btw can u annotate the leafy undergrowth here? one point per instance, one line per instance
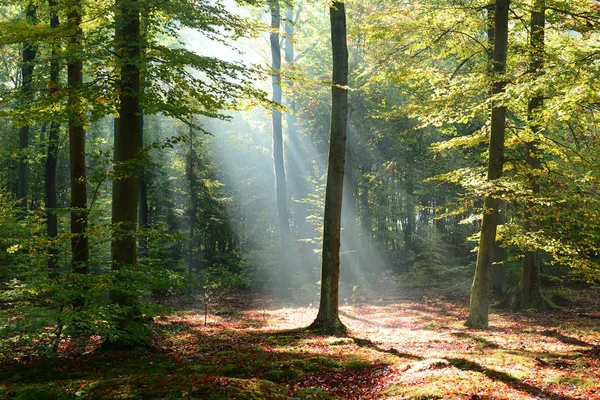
(395, 349)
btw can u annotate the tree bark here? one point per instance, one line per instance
(126, 159)
(280, 184)
(143, 212)
(79, 240)
(328, 320)
(143, 200)
(529, 290)
(29, 53)
(499, 252)
(194, 204)
(296, 162)
(350, 262)
(294, 155)
(481, 288)
(51, 159)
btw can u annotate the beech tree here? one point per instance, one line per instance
(481, 289)
(529, 290)
(127, 163)
(328, 320)
(280, 181)
(27, 67)
(52, 153)
(77, 119)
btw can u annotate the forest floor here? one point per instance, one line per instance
(408, 347)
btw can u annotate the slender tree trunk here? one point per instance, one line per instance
(328, 320)
(481, 289)
(143, 194)
(192, 186)
(499, 252)
(294, 155)
(79, 239)
(143, 200)
(29, 53)
(282, 210)
(409, 229)
(529, 291)
(296, 162)
(51, 159)
(498, 259)
(350, 262)
(127, 166)
(366, 221)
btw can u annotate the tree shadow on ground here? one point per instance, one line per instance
(564, 338)
(366, 321)
(467, 365)
(205, 363)
(369, 344)
(483, 342)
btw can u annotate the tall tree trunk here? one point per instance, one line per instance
(127, 166)
(499, 252)
(29, 53)
(498, 260)
(79, 240)
(409, 229)
(51, 159)
(350, 262)
(282, 210)
(294, 155)
(529, 291)
(481, 288)
(143, 189)
(328, 320)
(193, 189)
(295, 161)
(143, 200)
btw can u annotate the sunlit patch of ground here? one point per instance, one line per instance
(395, 349)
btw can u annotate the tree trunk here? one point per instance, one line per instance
(143, 200)
(127, 166)
(529, 291)
(294, 155)
(193, 189)
(499, 252)
(350, 262)
(409, 229)
(282, 211)
(143, 194)
(79, 240)
(51, 159)
(328, 320)
(296, 163)
(498, 260)
(29, 53)
(481, 288)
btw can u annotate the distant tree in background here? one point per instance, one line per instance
(280, 178)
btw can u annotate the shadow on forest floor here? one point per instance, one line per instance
(258, 350)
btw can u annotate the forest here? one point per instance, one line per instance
(299, 199)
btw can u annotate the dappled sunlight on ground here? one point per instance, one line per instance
(397, 349)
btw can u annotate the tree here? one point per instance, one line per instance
(280, 184)
(127, 165)
(79, 215)
(480, 290)
(328, 320)
(294, 156)
(529, 291)
(28, 58)
(52, 154)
